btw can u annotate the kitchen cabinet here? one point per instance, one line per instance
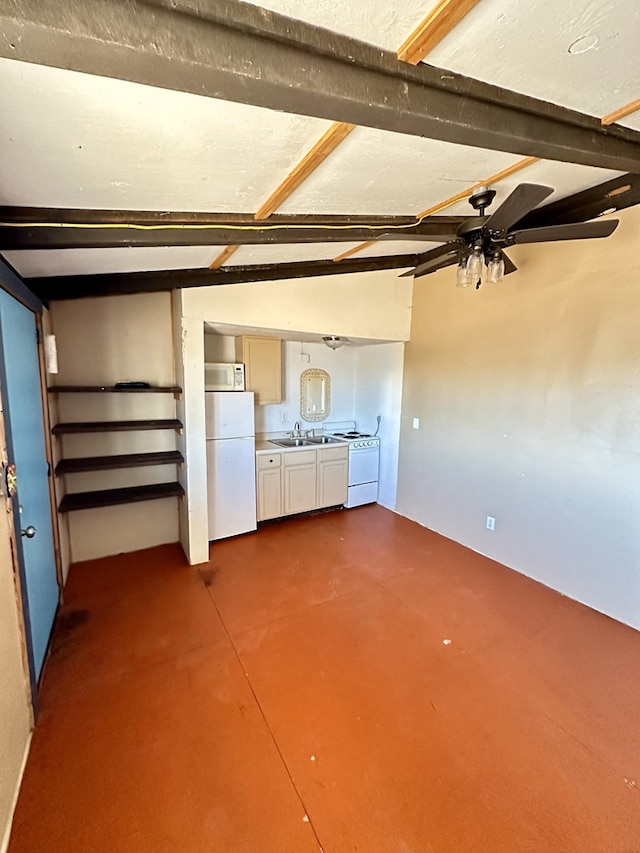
(333, 474)
(269, 490)
(262, 359)
(296, 481)
(300, 481)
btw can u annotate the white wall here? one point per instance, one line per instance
(189, 349)
(528, 395)
(61, 522)
(369, 305)
(378, 391)
(366, 381)
(103, 341)
(339, 364)
(15, 710)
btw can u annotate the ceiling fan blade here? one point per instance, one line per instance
(523, 199)
(436, 254)
(574, 231)
(436, 263)
(509, 266)
(617, 194)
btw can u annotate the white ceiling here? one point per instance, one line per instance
(523, 46)
(122, 259)
(284, 334)
(75, 140)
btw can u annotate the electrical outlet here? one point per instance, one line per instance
(416, 423)
(284, 417)
(491, 523)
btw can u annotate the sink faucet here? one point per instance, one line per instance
(296, 430)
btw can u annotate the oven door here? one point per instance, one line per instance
(363, 465)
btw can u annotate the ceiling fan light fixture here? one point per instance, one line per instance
(495, 270)
(463, 279)
(334, 342)
(475, 263)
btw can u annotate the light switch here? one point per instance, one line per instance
(416, 423)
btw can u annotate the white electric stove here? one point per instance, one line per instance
(364, 461)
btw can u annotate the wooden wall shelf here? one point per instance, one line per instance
(128, 494)
(126, 460)
(114, 426)
(112, 497)
(112, 389)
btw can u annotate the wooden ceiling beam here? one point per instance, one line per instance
(438, 23)
(223, 257)
(327, 143)
(446, 15)
(622, 112)
(610, 118)
(46, 228)
(50, 288)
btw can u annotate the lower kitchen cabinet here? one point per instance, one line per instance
(301, 480)
(333, 474)
(269, 489)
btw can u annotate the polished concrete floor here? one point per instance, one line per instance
(341, 682)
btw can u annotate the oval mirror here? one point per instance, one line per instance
(315, 394)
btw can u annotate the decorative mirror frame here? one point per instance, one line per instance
(314, 373)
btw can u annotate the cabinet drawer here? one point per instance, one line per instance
(269, 460)
(300, 457)
(330, 454)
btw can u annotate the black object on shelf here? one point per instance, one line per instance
(112, 497)
(114, 426)
(119, 387)
(125, 460)
(137, 384)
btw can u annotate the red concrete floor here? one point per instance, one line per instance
(297, 694)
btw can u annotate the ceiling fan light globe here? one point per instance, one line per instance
(474, 266)
(495, 270)
(463, 279)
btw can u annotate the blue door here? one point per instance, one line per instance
(24, 424)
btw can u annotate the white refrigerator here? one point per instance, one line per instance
(231, 463)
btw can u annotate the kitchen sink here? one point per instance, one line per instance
(290, 442)
(324, 439)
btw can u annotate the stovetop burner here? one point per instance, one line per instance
(352, 434)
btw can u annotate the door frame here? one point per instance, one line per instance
(11, 283)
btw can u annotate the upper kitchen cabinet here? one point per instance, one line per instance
(262, 359)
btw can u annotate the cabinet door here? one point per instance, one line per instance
(332, 482)
(269, 494)
(299, 488)
(263, 369)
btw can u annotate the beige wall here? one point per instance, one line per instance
(364, 305)
(15, 711)
(529, 404)
(103, 341)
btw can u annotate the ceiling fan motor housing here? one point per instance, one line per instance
(481, 198)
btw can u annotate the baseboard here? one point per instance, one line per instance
(7, 832)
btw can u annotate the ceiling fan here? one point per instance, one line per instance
(482, 240)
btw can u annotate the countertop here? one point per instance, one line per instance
(263, 445)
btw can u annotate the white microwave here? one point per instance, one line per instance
(224, 377)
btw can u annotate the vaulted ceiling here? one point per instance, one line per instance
(131, 156)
